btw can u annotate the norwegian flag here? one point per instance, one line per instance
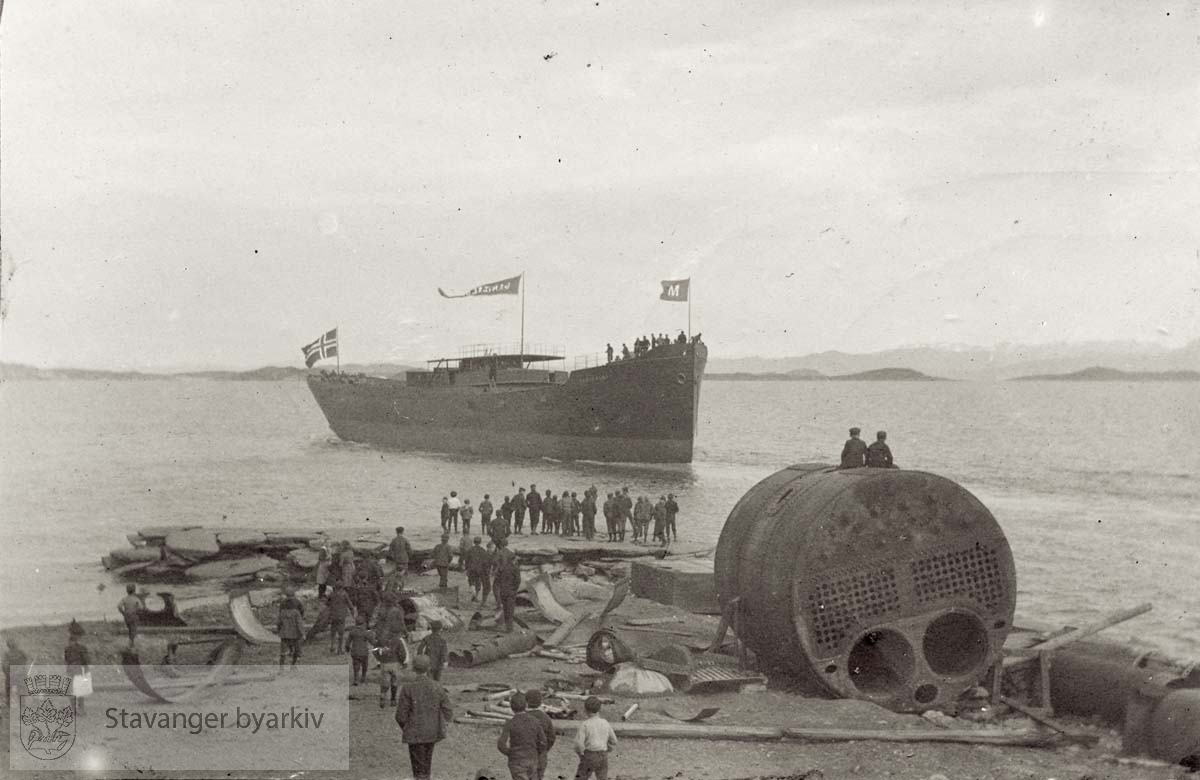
(324, 347)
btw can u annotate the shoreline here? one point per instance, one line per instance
(375, 749)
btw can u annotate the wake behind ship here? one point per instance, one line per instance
(493, 401)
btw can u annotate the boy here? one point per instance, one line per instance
(523, 741)
(76, 658)
(464, 547)
(434, 646)
(341, 609)
(392, 657)
(360, 641)
(290, 627)
(592, 742)
(130, 608)
(534, 699)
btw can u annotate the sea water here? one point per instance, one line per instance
(1096, 485)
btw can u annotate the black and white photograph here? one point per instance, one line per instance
(593, 389)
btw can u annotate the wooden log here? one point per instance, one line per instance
(1107, 621)
(963, 736)
(683, 731)
(563, 630)
(652, 621)
(627, 714)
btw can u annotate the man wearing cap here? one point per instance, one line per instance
(879, 455)
(522, 740)
(507, 582)
(534, 503)
(854, 453)
(423, 713)
(400, 551)
(442, 555)
(475, 561)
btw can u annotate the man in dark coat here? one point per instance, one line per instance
(854, 453)
(522, 741)
(534, 699)
(443, 554)
(534, 502)
(507, 582)
(423, 713)
(879, 455)
(519, 504)
(400, 551)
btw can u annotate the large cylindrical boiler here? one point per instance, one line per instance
(883, 584)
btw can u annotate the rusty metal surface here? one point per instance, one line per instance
(890, 585)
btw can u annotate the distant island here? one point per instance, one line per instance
(1100, 374)
(19, 371)
(809, 375)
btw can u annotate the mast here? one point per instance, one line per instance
(522, 356)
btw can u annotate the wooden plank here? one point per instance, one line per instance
(1107, 621)
(1074, 735)
(964, 736)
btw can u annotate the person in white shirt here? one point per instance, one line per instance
(593, 740)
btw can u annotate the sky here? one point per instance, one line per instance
(213, 185)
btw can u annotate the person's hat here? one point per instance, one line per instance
(435, 625)
(855, 431)
(478, 539)
(881, 435)
(421, 663)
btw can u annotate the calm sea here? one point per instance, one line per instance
(1097, 485)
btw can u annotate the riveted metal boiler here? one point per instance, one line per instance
(888, 585)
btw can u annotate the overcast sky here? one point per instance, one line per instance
(214, 184)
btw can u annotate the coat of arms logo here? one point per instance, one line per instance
(47, 716)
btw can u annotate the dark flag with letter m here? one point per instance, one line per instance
(675, 289)
(324, 347)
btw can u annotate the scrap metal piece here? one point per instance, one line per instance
(543, 598)
(493, 650)
(247, 623)
(704, 713)
(888, 585)
(222, 667)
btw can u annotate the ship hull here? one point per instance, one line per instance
(631, 411)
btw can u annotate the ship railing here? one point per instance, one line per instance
(589, 361)
(514, 348)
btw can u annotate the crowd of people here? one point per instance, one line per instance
(643, 345)
(565, 514)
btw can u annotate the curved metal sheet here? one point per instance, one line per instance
(222, 667)
(247, 623)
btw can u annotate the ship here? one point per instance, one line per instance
(497, 401)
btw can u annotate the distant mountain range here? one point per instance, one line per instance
(1133, 361)
(808, 375)
(19, 371)
(1004, 361)
(1098, 374)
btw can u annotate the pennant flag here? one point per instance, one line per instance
(510, 286)
(675, 289)
(324, 347)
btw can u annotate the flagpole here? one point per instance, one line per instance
(690, 291)
(522, 356)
